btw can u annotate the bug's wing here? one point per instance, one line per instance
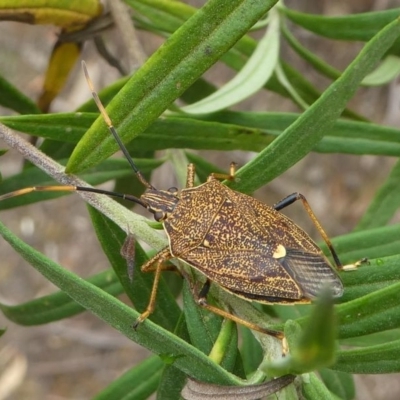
(304, 260)
(311, 271)
(251, 275)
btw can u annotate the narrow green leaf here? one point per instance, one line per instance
(221, 131)
(381, 359)
(314, 389)
(163, 12)
(385, 203)
(373, 339)
(235, 57)
(319, 65)
(171, 383)
(251, 351)
(388, 70)
(338, 382)
(251, 78)
(309, 128)
(378, 274)
(115, 313)
(377, 311)
(373, 243)
(64, 127)
(348, 27)
(285, 82)
(225, 350)
(12, 98)
(59, 305)
(136, 384)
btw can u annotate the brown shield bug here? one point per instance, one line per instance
(246, 247)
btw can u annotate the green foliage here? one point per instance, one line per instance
(189, 341)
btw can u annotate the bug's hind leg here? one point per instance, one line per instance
(202, 301)
(287, 201)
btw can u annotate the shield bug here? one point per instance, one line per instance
(246, 247)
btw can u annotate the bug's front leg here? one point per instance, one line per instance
(158, 260)
(191, 172)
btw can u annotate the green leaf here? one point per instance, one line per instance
(372, 339)
(314, 389)
(235, 57)
(368, 278)
(385, 203)
(251, 78)
(309, 128)
(136, 384)
(118, 315)
(250, 350)
(168, 73)
(220, 131)
(63, 127)
(291, 89)
(388, 70)
(319, 65)
(304, 88)
(12, 98)
(374, 312)
(171, 383)
(361, 26)
(374, 243)
(59, 305)
(340, 383)
(380, 359)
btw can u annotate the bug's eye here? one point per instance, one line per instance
(159, 216)
(173, 190)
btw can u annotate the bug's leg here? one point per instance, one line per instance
(230, 176)
(191, 171)
(287, 201)
(202, 301)
(158, 260)
(55, 188)
(152, 264)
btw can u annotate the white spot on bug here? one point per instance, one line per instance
(279, 252)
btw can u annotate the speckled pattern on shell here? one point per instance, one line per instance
(231, 238)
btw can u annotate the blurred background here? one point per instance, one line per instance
(76, 358)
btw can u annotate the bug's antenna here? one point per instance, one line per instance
(111, 128)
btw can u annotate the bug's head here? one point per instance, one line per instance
(160, 202)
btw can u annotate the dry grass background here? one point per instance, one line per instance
(75, 358)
